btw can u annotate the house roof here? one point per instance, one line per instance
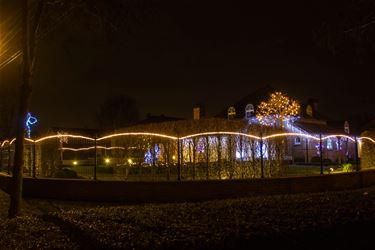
(254, 98)
(158, 119)
(316, 114)
(316, 128)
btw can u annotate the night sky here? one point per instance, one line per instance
(182, 52)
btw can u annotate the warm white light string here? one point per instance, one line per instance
(361, 139)
(219, 133)
(137, 133)
(62, 136)
(90, 148)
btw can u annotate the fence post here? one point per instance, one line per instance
(207, 158)
(34, 160)
(261, 156)
(307, 150)
(96, 156)
(321, 153)
(1, 158)
(356, 153)
(9, 158)
(178, 160)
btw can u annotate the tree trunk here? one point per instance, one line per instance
(28, 52)
(25, 93)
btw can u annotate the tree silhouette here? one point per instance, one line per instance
(117, 112)
(35, 14)
(348, 30)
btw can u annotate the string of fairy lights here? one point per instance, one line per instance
(279, 105)
(175, 138)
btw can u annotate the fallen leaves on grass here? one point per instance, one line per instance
(196, 225)
(30, 232)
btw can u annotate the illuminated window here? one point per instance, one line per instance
(249, 111)
(329, 144)
(297, 141)
(231, 112)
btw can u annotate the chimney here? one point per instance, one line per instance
(198, 112)
(314, 105)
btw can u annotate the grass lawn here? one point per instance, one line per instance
(332, 220)
(302, 170)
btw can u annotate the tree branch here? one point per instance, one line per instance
(360, 27)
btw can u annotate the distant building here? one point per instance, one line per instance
(310, 121)
(198, 112)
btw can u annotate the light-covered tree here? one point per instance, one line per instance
(278, 108)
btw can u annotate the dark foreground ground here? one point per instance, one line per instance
(334, 220)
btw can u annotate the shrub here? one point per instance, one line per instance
(347, 167)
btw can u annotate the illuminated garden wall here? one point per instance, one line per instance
(184, 150)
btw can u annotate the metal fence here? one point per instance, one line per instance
(156, 157)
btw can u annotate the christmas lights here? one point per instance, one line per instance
(90, 148)
(366, 138)
(30, 120)
(59, 136)
(137, 133)
(219, 133)
(5, 142)
(278, 108)
(343, 136)
(291, 134)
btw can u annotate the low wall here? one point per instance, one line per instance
(173, 191)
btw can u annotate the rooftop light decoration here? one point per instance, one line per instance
(278, 108)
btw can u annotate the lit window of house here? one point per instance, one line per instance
(329, 144)
(249, 111)
(297, 141)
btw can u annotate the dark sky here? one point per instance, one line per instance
(183, 52)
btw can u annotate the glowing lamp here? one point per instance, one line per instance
(75, 163)
(107, 160)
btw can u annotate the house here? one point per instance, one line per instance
(336, 149)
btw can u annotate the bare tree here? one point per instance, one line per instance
(117, 112)
(111, 13)
(348, 30)
(29, 30)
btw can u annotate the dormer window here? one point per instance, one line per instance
(249, 111)
(309, 111)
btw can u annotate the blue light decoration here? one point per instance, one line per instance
(317, 146)
(149, 155)
(30, 120)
